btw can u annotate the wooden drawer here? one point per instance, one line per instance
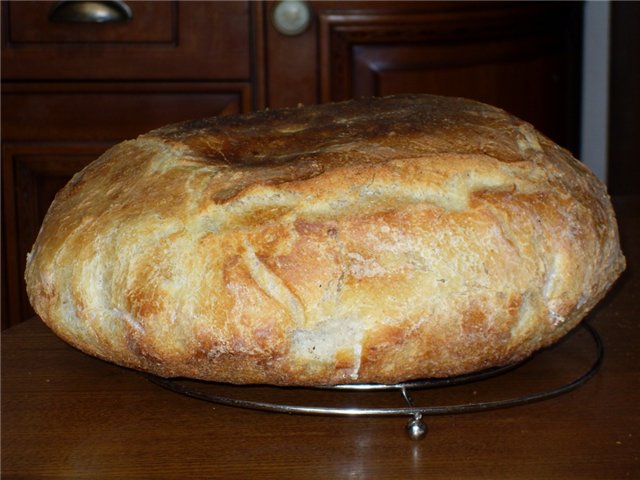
(111, 111)
(151, 22)
(163, 40)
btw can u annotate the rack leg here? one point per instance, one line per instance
(416, 428)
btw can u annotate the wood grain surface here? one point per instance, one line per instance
(67, 415)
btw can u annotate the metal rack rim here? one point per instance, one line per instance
(411, 409)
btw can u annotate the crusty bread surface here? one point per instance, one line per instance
(375, 240)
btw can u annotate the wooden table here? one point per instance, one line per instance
(67, 415)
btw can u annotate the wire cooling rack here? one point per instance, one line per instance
(416, 428)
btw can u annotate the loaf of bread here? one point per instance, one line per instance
(375, 240)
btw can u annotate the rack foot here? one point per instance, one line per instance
(416, 428)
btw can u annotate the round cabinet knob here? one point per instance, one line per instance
(291, 17)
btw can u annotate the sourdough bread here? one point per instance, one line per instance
(375, 240)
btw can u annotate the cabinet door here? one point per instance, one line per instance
(31, 175)
(523, 58)
(520, 56)
(51, 131)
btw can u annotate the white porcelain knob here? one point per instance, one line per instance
(291, 17)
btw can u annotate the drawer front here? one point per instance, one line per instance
(163, 40)
(29, 24)
(117, 111)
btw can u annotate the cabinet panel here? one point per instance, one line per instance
(88, 111)
(28, 23)
(51, 131)
(31, 175)
(164, 41)
(624, 117)
(523, 57)
(525, 86)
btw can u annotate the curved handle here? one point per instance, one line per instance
(69, 11)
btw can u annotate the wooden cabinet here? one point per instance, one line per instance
(524, 57)
(70, 90)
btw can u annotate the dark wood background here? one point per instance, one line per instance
(624, 115)
(69, 91)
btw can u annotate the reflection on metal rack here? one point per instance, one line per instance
(416, 428)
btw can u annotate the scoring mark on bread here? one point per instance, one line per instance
(273, 285)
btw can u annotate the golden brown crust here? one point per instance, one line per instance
(376, 240)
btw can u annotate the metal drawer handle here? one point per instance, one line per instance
(69, 11)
